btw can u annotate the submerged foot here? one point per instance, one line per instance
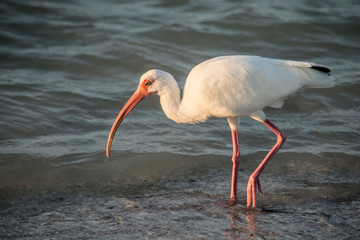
(253, 184)
(226, 203)
(232, 201)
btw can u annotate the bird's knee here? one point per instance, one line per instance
(281, 137)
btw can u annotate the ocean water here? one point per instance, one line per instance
(67, 68)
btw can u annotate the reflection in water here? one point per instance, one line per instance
(251, 226)
(240, 229)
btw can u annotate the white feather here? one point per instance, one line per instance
(235, 86)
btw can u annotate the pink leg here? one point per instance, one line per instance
(254, 181)
(235, 170)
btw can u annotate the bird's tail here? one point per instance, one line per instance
(315, 75)
(323, 78)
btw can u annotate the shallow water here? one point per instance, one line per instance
(67, 68)
(307, 198)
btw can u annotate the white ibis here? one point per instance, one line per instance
(230, 87)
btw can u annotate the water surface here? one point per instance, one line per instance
(67, 68)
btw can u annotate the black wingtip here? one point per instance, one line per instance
(321, 69)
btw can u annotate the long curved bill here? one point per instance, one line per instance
(137, 96)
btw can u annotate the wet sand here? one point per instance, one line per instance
(308, 199)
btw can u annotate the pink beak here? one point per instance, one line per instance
(137, 96)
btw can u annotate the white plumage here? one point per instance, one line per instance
(230, 87)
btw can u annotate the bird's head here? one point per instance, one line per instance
(153, 81)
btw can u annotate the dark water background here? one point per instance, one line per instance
(66, 69)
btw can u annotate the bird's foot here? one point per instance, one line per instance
(254, 182)
(232, 201)
(229, 203)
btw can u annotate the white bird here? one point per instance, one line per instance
(230, 87)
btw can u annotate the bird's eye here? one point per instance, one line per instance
(148, 83)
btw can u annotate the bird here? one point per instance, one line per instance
(230, 87)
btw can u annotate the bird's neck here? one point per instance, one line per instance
(170, 101)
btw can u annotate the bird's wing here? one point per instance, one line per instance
(242, 85)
